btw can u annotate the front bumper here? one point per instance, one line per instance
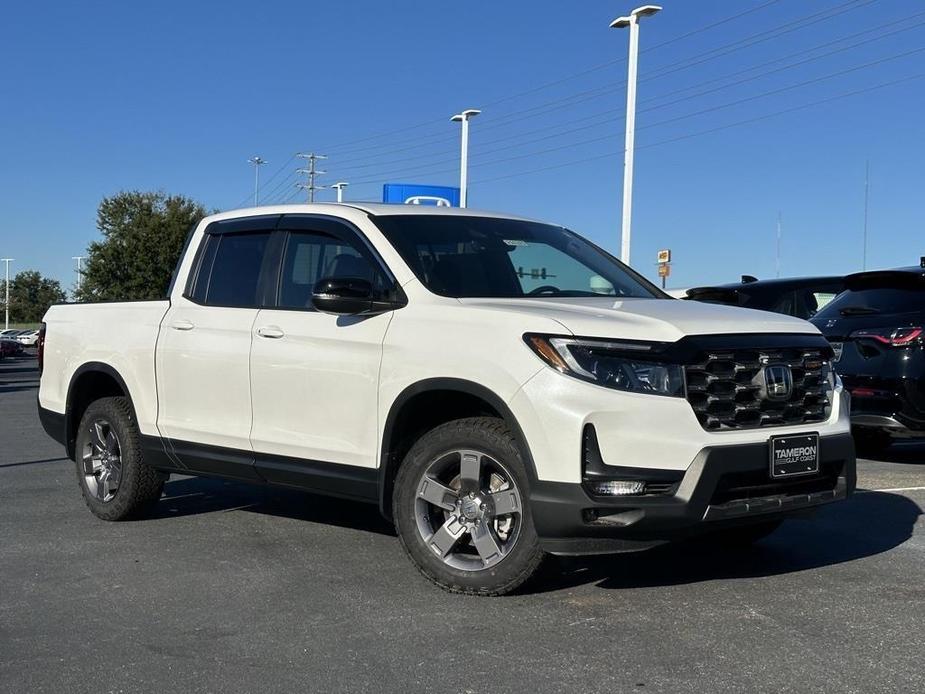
(724, 486)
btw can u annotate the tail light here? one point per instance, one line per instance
(40, 347)
(895, 337)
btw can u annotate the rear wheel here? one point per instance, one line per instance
(115, 482)
(461, 511)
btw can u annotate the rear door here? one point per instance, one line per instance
(203, 351)
(314, 376)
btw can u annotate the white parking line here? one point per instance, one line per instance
(897, 489)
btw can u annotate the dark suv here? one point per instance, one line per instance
(876, 329)
(794, 296)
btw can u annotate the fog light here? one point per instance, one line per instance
(618, 488)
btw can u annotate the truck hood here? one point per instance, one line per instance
(660, 320)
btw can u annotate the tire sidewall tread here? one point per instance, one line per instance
(492, 436)
(140, 486)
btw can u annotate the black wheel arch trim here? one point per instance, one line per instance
(458, 385)
(70, 426)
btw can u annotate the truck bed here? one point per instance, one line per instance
(121, 335)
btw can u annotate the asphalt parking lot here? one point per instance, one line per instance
(237, 588)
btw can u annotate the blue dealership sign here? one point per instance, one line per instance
(414, 194)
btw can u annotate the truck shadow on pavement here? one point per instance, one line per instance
(867, 524)
(908, 452)
(186, 496)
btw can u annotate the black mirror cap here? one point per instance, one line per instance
(349, 296)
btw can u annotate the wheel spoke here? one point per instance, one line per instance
(443, 541)
(470, 470)
(97, 437)
(112, 443)
(486, 544)
(505, 502)
(115, 475)
(102, 485)
(90, 464)
(437, 494)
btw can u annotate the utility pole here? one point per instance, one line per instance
(257, 162)
(6, 304)
(778, 243)
(463, 118)
(339, 187)
(79, 259)
(866, 198)
(311, 172)
(632, 21)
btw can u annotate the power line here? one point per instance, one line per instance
(671, 68)
(567, 78)
(424, 168)
(610, 112)
(709, 131)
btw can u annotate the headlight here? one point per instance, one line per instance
(625, 366)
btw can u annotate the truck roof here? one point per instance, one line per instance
(373, 208)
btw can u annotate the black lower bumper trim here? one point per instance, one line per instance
(725, 485)
(54, 424)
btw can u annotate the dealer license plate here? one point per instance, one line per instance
(794, 455)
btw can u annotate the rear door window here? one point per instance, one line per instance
(236, 269)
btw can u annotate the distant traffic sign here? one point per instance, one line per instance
(664, 256)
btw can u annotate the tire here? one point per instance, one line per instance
(744, 536)
(113, 478)
(461, 510)
(871, 441)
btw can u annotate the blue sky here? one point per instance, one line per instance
(107, 96)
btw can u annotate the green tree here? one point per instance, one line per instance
(143, 236)
(31, 295)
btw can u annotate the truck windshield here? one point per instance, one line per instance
(463, 257)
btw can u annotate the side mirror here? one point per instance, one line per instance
(348, 296)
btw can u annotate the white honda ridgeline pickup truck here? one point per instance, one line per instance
(501, 388)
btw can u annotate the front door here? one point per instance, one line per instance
(314, 376)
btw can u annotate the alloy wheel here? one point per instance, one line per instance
(468, 510)
(101, 458)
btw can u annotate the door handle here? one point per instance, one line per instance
(182, 325)
(271, 332)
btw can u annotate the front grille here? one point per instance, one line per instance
(725, 388)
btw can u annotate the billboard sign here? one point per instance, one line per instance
(414, 194)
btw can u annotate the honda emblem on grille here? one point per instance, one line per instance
(778, 382)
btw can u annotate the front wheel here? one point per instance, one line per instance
(115, 482)
(461, 511)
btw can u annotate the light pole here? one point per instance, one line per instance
(464, 152)
(632, 21)
(339, 187)
(78, 258)
(257, 162)
(6, 303)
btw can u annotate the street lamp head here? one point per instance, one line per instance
(466, 115)
(340, 184)
(644, 11)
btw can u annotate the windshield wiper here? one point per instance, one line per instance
(857, 311)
